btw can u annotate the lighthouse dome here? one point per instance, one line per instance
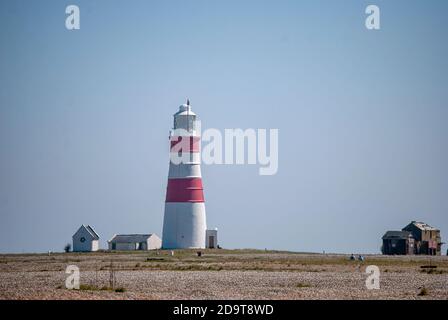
(185, 110)
(185, 119)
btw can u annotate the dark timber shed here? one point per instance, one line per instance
(398, 242)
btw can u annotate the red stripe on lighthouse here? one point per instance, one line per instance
(185, 144)
(185, 190)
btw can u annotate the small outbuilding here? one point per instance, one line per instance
(130, 242)
(85, 240)
(427, 239)
(398, 242)
(211, 238)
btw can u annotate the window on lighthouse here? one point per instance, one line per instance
(190, 123)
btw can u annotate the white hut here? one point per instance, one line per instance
(85, 239)
(126, 242)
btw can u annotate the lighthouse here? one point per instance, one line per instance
(184, 223)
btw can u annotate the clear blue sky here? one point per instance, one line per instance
(362, 118)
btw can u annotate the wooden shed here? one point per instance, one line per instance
(398, 242)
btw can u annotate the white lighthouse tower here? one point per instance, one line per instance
(184, 224)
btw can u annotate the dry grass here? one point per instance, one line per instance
(434, 271)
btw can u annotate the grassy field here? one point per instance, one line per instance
(220, 274)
